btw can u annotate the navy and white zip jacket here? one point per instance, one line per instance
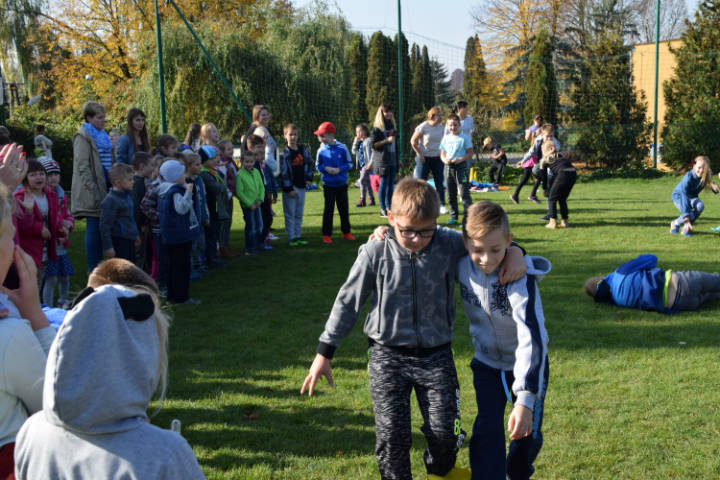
(507, 325)
(338, 156)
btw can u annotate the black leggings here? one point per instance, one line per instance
(559, 192)
(527, 173)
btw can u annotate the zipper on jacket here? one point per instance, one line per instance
(414, 298)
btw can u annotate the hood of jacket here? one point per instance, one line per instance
(163, 188)
(537, 266)
(103, 368)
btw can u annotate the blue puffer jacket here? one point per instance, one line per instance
(338, 156)
(638, 283)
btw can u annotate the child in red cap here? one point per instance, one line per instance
(333, 162)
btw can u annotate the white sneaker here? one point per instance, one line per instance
(272, 237)
(443, 210)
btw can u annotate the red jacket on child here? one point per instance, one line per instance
(30, 225)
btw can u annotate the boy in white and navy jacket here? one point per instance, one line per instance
(507, 327)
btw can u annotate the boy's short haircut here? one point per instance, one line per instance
(453, 116)
(254, 140)
(415, 199)
(547, 127)
(461, 104)
(165, 140)
(139, 159)
(246, 153)
(91, 108)
(591, 285)
(484, 217)
(119, 171)
(189, 158)
(289, 127)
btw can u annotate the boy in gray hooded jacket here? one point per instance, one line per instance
(508, 330)
(411, 276)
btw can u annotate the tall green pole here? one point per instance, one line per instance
(657, 70)
(401, 149)
(161, 75)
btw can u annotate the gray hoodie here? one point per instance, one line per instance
(507, 325)
(101, 373)
(413, 302)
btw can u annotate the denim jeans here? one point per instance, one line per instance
(93, 243)
(697, 208)
(434, 165)
(387, 186)
(487, 444)
(293, 208)
(253, 229)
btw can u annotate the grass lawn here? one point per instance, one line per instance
(632, 394)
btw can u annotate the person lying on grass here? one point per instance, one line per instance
(411, 277)
(641, 284)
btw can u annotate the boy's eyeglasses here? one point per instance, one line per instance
(410, 233)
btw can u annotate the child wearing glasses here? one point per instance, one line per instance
(410, 277)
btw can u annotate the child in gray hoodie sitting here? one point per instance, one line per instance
(109, 357)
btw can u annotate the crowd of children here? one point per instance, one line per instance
(166, 220)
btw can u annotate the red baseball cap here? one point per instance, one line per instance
(325, 127)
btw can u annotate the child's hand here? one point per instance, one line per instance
(379, 233)
(45, 233)
(292, 194)
(28, 203)
(520, 422)
(513, 267)
(319, 368)
(26, 297)
(189, 187)
(110, 253)
(715, 188)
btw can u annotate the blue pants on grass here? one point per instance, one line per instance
(93, 242)
(487, 444)
(697, 208)
(253, 229)
(387, 186)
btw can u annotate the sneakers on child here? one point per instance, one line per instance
(372, 202)
(383, 213)
(545, 218)
(674, 227)
(563, 224)
(294, 243)
(443, 210)
(457, 473)
(687, 230)
(327, 239)
(267, 247)
(533, 198)
(348, 236)
(300, 241)
(552, 224)
(272, 237)
(361, 203)
(514, 199)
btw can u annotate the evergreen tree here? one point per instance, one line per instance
(475, 84)
(469, 81)
(427, 89)
(444, 95)
(376, 91)
(414, 105)
(358, 63)
(610, 117)
(540, 84)
(692, 119)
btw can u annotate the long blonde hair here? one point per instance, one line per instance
(379, 121)
(706, 180)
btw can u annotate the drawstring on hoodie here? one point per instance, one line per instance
(505, 387)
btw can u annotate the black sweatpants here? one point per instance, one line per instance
(393, 376)
(456, 177)
(178, 282)
(527, 173)
(559, 192)
(266, 212)
(124, 248)
(496, 167)
(333, 196)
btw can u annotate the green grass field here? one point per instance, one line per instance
(632, 395)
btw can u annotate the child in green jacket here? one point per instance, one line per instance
(250, 191)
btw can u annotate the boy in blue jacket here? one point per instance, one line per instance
(641, 284)
(333, 162)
